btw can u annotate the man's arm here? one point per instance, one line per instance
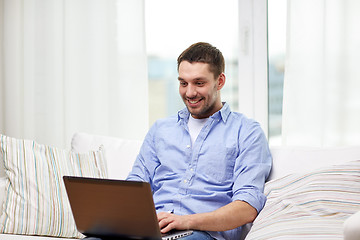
(145, 164)
(228, 217)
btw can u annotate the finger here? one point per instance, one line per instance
(162, 215)
(164, 222)
(168, 228)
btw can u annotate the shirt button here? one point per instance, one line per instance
(191, 169)
(187, 146)
(185, 181)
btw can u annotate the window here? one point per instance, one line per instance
(172, 26)
(239, 29)
(277, 47)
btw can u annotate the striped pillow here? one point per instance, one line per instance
(311, 205)
(36, 201)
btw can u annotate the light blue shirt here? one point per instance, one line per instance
(229, 161)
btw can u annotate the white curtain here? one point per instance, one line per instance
(322, 73)
(72, 65)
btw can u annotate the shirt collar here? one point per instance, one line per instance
(223, 114)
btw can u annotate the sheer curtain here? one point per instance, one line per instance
(322, 73)
(72, 65)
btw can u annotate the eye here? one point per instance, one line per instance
(200, 83)
(183, 84)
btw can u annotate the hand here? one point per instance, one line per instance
(169, 221)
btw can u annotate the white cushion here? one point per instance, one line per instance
(120, 154)
(35, 201)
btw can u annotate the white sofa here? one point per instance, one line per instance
(120, 154)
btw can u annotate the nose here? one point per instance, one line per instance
(191, 91)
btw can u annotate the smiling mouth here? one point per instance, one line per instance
(193, 101)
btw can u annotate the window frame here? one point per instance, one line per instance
(253, 61)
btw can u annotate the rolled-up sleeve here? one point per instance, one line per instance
(252, 167)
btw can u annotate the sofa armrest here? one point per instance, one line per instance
(352, 227)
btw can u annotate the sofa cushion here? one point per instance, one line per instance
(35, 201)
(310, 205)
(120, 154)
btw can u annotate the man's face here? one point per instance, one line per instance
(199, 89)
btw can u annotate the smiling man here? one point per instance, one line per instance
(207, 165)
(200, 88)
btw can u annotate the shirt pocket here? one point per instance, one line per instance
(217, 163)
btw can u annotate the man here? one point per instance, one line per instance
(206, 165)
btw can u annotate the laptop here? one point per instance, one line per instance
(115, 209)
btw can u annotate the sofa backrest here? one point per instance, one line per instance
(120, 154)
(287, 160)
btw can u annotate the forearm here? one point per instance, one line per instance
(225, 218)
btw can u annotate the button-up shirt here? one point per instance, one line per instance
(229, 161)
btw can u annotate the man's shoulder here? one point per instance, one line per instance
(170, 121)
(241, 118)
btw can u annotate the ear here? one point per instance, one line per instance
(221, 81)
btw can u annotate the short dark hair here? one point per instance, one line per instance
(205, 53)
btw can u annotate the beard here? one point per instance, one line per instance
(204, 108)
